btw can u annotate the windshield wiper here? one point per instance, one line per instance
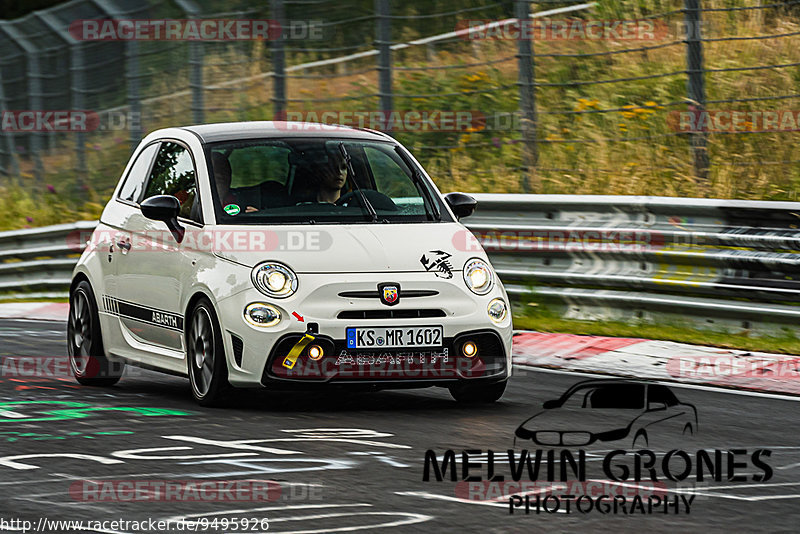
(417, 177)
(364, 202)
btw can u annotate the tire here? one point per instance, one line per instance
(205, 355)
(478, 393)
(87, 359)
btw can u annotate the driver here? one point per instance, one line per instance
(332, 178)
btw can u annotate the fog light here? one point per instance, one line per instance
(497, 310)
(262, 315)
(315, 352)
(469, 349)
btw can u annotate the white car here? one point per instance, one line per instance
(287, 255)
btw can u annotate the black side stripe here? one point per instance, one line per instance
(144, 314)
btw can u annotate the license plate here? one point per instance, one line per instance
(394, 337)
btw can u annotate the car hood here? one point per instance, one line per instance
(581, 420)
(434, 247)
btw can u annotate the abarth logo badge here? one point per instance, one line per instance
(389, 293)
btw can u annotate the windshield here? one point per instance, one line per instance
(269, 181)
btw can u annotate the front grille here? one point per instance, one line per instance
(391, 314)
(405, 293)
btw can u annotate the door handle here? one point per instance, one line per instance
(124, 245)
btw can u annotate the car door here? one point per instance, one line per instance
(151, 268)
(111, 244)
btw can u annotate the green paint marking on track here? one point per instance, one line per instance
(16, 436)
(73, 410)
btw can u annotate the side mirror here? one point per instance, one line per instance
(462, 204)
(549, 405)
(656, 406)
(164, 208)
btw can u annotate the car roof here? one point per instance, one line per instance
(229, 131)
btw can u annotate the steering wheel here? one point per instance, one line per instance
(378, 200)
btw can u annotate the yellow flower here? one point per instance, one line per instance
(629, 113)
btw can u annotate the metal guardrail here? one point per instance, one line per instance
(719, 264)
(39, 259)
(725, 265)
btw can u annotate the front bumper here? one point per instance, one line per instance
(435, 366)
(252, 352)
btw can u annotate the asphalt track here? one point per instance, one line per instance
(345, 461)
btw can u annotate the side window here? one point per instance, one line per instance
(173, 174)
(134, 182)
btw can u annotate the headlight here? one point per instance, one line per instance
(497, 310)
(274, 280)
(262, 314)
(478, 276)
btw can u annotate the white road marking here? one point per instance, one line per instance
(9, 461)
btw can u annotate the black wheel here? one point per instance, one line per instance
(85, 342)
(478, 393)
(205, 355)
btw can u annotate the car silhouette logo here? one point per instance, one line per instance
(390, 294)
(611, 410)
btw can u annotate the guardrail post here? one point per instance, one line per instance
(696, 85)
(278, 62)
(383, 41)
(527, 98)
(78, 103)
(35, 99)
(134, 102)
(9, 164)
(196, 81)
